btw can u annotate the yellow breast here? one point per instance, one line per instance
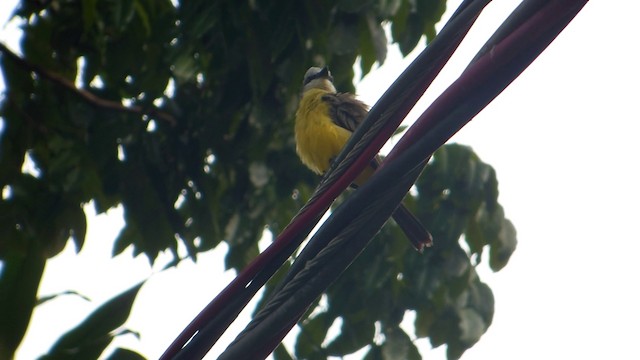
(318, 139)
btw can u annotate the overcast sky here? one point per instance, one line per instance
(563, 140)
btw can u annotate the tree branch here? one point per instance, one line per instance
(84, 94)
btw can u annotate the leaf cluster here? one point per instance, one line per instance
(209, 155)
(457, 198)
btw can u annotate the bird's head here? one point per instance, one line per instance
(318, 78)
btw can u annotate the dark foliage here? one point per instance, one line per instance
(184, 116)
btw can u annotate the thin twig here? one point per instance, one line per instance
(86, 95)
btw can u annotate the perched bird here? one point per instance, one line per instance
(324, 122)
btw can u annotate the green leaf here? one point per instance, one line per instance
(184, 69)
(424, 321)
(374, 353)
(373, 42)
(78, 224)
(241, 254)
(444, 327)
(415, 19)
(148, 210)
(89, 339)
(454, 352)
(312, 333)
(398, 346)
(354, 335)
(345, 36)
(388, 8)
(123, 12)
(281, 353)
(472, 326)
(481, 300)
(20, 275)
(503, 246)
(406, 28)
(368, 56)
(144, 17)
(127, 236)
(44, 299)
(431, 11)
(125, 354)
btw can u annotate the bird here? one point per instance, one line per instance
(324, 122)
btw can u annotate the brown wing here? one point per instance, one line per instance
(345, 110)
(348, 112)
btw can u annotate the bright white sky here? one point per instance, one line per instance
(562, 138)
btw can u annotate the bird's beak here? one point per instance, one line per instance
(325, 73)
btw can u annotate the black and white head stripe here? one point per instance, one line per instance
(317, 73)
